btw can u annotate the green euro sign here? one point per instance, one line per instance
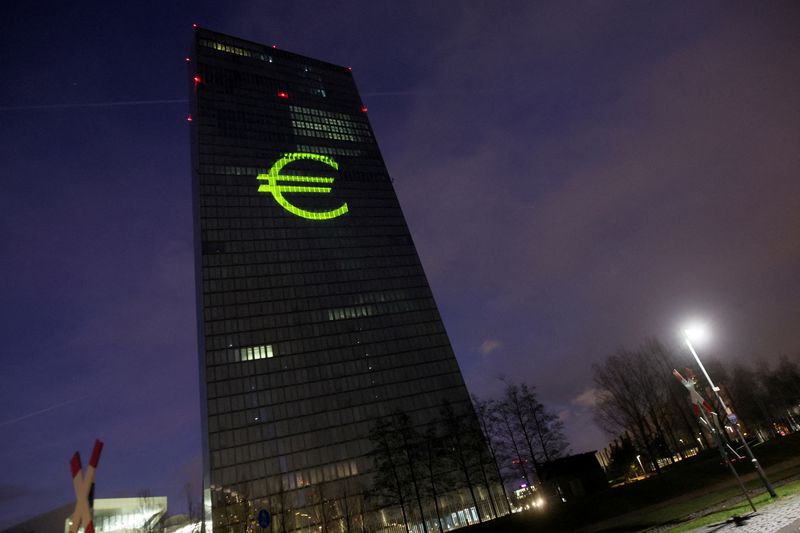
(277, 190)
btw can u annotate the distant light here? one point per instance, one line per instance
(282, 94)
(194, 26)
(697, 332)
(188, 59)
(197, 79)
(189, 118)
(363, 109)
(274, 46)
(350, 69)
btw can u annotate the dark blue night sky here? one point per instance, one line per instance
(577, 177)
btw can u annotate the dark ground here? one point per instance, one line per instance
(692, 478)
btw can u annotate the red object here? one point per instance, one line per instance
(98, 447)
(194, 26)
(282, 94)
(75, 464)
(363, 109)
(189, 118)
(274, 46)
(198, 79)
(350, 69)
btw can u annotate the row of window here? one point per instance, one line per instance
(325, 366)
(344, 352)
(271, 389)
(219, 253)
(371, 187)
(319, 132)
(251, 353)
(265, 263)
(231, 252)
(298, 450)
(321, 445)
(360, 383)
(284, 277)
(216, 148)
(313, 301)
(359, 161)
(260, 440)
(265, 322)
(324, 131)
(246, 88)
(213, 142)
(317, 302)
(279, 274)
(300, 446)
(272, 326)
(341, 344)
(308, 238)
(280, 74)
(304, 286)
(305, 263)
(332, 337)
(221, 196)
(349, 152)
(252, 170)
(320, 115)
(343, 391)
(365, 203)
(347, 123)
(262, 487)
(308, 290)
(214, 45)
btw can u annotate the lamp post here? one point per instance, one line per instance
(695, 331)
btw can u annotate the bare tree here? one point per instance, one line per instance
(483, 411)
(151, 508)
(623, 403)
(391, 477)
(432, 451)
(548, 429)
(460, 439)
(514, 408)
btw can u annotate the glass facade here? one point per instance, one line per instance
(315, 316)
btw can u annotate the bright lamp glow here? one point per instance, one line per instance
(697, 332)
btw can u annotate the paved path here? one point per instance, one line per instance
(780, 517)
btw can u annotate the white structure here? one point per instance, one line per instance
(126, 515)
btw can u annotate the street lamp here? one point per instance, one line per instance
(639, 458)
(700, 333)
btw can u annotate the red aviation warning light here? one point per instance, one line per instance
(363, 109)
(197, 80)
(189, 118)
(283, 94)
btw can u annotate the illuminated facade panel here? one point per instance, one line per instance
(315, 317)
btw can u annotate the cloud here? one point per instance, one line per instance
(587, 399)
(490, 345)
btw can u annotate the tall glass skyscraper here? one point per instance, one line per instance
(316, 321)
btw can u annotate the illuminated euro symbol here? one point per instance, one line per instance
(278, 190)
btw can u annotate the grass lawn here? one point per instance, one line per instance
(740, 508)
(687, 490)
